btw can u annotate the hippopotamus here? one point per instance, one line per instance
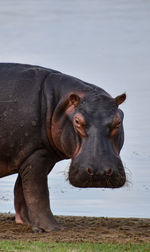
(47, 116)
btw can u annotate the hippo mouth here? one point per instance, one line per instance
(79, 179)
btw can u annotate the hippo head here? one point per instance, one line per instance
(89, 130)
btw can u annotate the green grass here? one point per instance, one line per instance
(71, 247)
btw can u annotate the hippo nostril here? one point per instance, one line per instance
(109, 172)
(90, 171)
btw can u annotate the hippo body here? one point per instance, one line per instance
(47, 116)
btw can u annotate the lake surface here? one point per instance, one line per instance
(102, 42)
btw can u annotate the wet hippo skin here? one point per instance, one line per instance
(47, 116)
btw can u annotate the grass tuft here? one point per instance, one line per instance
(35, 246)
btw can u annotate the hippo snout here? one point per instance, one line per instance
(112, 176)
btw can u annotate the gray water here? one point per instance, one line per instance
(106, 42)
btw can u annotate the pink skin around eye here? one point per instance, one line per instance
(115, 127)
(79, 122)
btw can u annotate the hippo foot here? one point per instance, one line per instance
(37, 230)
(20, 220)
(51, 228)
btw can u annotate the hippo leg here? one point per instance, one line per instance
(20, 204)
(35, 188)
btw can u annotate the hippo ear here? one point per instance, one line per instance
(120, 99)
(74, 100)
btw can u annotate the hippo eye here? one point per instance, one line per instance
(115, 129)
(77, 122)
(118, 125)
(79, 125)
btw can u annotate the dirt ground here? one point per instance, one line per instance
(87, 229)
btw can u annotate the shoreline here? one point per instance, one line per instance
(81, 229)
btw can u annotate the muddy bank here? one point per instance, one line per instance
(87, 229)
